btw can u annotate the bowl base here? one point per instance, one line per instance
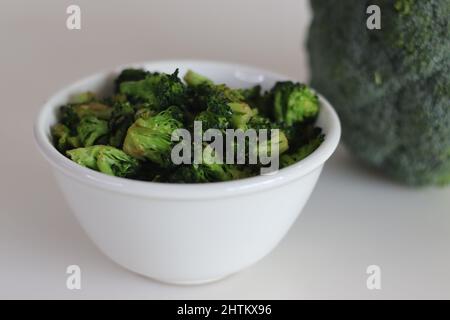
(191, 282)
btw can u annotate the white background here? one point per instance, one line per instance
(354, 218)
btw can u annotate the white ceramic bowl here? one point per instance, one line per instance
(185, 233)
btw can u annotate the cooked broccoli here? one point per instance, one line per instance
(129, 75)
(224, 107)
(195, 79)
(96, 109)
(293, 103)
(264, 147)
(84, 97)
(157, 90)
(105, 159)
(241, 114)
(258, 122)
(71, 114)
(62, 138)
(90, 129)
(391, 87)
(129, 134)
(210, 170)
(122, 118)
(302, 152)
(150, 138)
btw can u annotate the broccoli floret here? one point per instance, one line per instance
(241, 114)
(90, 129)
(105, 159)
(71, 114)
(302, 152)
(122, 118)
(258, 122)
(156, 90)
(150, 138)
(293, 103)
(195, 79)
(128, 75)
(84, 97)
(223, 107)
(251, 95)
(63, 138)
(69, 118)
(391, 87)
(96, 109)
(265, 147)
(210, 170)
(211, 120)
(210, 173)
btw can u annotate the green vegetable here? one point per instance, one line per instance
(130, 75)
(150, 138)
(105, 159)
(157, 90)
(391, 87)
(223, 107)
(62, 138)
(293, 103)
(195, 79)
(302, 152)
(209, 171)
(129, 133)
(90, 129)
(122, 118)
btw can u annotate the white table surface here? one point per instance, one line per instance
(355, 218)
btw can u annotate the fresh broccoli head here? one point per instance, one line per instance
(157, 90)
(150, 138)
(105, 159)
(391, 87)
(293, 103)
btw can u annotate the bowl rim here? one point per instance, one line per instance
(179, 191)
